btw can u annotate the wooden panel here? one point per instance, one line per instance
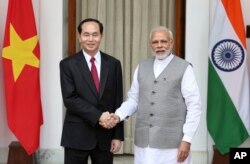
(71, 27)
(218, 158)
(248, 31)
(17, 155)
(179, 44)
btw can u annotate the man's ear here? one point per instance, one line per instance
(172, 43)
(79, 37)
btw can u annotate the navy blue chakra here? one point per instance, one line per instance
(228, 55)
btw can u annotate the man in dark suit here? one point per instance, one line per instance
(91, 84)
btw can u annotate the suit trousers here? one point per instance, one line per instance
(97, 156)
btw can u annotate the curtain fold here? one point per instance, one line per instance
(127, 24)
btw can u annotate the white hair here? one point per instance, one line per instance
(161, 28)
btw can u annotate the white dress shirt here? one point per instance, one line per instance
(190, 93)
(97, 61)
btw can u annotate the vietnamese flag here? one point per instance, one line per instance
(21, 61)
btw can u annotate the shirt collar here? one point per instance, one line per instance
(97, 56)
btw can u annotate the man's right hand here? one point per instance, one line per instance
(108, 120)
(183, 151)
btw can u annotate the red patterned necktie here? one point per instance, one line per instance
(94, 74)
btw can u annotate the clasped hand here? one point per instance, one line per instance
(108, 120)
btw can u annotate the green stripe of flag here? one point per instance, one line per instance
(224, 124)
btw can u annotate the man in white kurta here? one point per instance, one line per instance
(161, 41)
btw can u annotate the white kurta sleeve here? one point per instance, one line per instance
(190, 92)
(129, 106)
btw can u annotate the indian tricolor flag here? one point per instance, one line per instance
(228, 109)
(21, 62)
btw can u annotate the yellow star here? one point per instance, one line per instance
(20, 52)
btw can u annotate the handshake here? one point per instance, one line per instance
(108, 120)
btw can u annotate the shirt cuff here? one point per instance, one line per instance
(187, 138)
(120, 114)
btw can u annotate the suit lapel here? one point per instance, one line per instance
(104, 72)
(84, 69)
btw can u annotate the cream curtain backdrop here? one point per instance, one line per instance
(127, 24)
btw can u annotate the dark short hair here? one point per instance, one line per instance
(90, 20)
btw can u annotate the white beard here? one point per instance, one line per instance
(162, 56)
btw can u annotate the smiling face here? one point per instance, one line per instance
(90, 37)
(161, 43)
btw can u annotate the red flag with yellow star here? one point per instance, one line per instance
(21, 61)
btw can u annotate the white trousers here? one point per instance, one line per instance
(157, 156)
